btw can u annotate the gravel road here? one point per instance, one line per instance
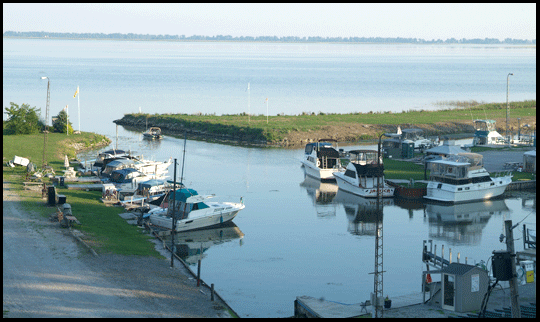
(46, 274)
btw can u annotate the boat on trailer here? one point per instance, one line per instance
(321, 159)
(361, 174)
(192, 211)
(463, 178)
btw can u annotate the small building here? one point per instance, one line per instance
(529, 161)
(463, 287)
(448, 147)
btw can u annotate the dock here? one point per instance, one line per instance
(311, 307)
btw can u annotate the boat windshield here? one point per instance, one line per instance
(484, 125)
(412, 135)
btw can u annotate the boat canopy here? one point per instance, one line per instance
(484, 125)
(150, 183)
(365, 156)
(183, 194)
(124, 175)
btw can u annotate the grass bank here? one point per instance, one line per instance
(104, 230)
(351, 127)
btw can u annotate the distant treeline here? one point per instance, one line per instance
(131, 36)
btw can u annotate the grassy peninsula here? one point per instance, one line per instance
(296, 130)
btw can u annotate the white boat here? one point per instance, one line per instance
(147, 167)
(193, 211)
(486, 133)
(360, 176)
(462, 178)
(153, 133)
(321, 160)
(127, 180)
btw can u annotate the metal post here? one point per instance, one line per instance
(212, 292)
(514, 292)
(173, 215)
(507, 106)
(378, 273)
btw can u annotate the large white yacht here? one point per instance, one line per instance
(321, 159)
(360, 176)
(463, 178)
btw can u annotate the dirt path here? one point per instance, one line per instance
(47, 275)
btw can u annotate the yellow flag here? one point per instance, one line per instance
(77, 92)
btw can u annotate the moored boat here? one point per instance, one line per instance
(153, 133)
(463, 178)
(361, 175)
(486, 133)
(321, 159)
(193, 211)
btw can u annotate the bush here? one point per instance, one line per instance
(22, 120)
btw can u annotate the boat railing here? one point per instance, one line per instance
(499, 174)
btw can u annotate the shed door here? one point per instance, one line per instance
(448, 292)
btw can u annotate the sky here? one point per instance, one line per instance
(424, 21)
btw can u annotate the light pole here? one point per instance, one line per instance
(48, 100)
(507, 107)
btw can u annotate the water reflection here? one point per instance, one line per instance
(191, 245)
(462, 223)
(361, 212)
(322, 194)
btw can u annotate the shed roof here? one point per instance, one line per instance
(446, 149)
(457, 268)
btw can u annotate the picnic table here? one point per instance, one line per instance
(513, 165)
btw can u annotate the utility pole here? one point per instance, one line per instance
(173, 215)
(514, 292)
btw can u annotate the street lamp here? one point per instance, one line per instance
(507, 107)
(48, 100)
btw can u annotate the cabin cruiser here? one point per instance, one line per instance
(463, 178)
(321, 160)
(110, 155)
(192, 211)
(147, 167)
(126, 180)
(361, 174)
(486, 133)
(153, 133)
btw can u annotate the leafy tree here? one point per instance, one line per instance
(59, 124)
(22, 120)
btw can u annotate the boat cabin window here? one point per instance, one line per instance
(309, 148)
(350, 173)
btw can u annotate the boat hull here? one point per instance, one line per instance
(318, 173)
(366, 192)
(161, 219)
(469, 192)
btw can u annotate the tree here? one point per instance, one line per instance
(22, 120)
(59, 124)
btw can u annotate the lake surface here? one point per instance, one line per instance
(296, 236)
(118, 77)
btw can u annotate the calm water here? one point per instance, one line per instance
(295, 236)
(118, 77)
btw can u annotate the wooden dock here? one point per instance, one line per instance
(522, 185)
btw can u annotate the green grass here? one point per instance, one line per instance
(280, 125)
(104, 230)
(58, 145)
